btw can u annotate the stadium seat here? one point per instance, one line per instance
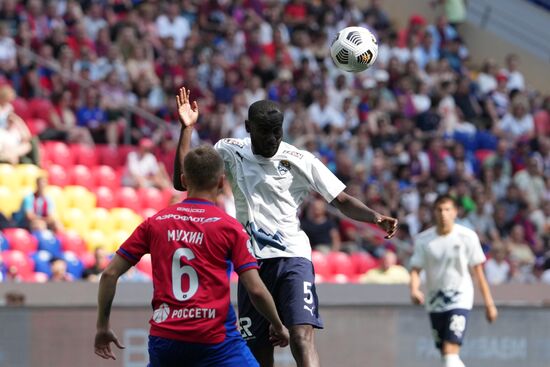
(151, 197)
(104, 197)
(47, 241)
(22, 263)
(42, 260)
(57, 175)
(126, 197)
(21, 108)
(363, 262)
(106, 176)
(28, 173)
(72, 241)
(320, 263)
(59, 153)
(76, 219)
(36, 125)
(36, 277)
(20, 239)
(57, 195)
(40, 108)
(85, 155)
(340, 263)
(109, 156)
(10, 201)
(8, 176)
(97, 238)
(79, 197)
(80, 175)
(100, 218)
(147, 212)
(88, 259)
(117, 238)
(4, 244)
(338, 279)
(75, 267)
(125, 219)
(144, 265)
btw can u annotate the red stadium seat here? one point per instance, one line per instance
(338, 279)
(57, 176)
(123, 151)
(363, 262)
(147, 212)
(22, 263)
(59, 153)
(105, 197)
(340, 263)
(36, 126)
(85, 155)
(36, 277)
(106, 176)
(144, 265)
(126, 197)
(320, 264)
(40, 108)
(87, 258)
(71, 241)
(108, 156)
(20, 239)
(21, 108)
(151, 198)
(81, 176)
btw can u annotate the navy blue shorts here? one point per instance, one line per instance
(291, 282)
(233, 352)
(449, 326)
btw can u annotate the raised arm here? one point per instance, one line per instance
(355, 209)
(188, 113)
(107, 289)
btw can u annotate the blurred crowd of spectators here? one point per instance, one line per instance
(421, 122)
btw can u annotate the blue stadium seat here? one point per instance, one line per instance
(42, 260)
(74, 266)
(49, 242)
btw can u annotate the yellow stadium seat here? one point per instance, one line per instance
(76, 219)
(79, 197)
(117, 238)
(28, 173)
(9, 176)
(100, 219)
(125, 219)
(10, 200)
(57, 195)
(96, 238)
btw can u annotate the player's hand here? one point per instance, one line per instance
(491, 313)
(417, 297)
(388, 224)
(102, 344)
(188, 112)
(278, 336)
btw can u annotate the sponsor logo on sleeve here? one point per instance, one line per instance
(293, 153)
(235, 142)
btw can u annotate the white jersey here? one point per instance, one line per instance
(269, 191)
(446, 260)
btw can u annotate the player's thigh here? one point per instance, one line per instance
(169, 353)
(296, 297)
(456, 324)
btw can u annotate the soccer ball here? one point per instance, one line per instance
(354, 49)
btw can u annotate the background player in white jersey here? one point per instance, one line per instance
(270, 179)
(447, 253)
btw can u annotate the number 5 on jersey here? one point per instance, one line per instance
(178, 271)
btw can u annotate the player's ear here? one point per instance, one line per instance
(183, 180)
(247, 125)
(221, 181)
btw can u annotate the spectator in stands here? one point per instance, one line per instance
(518, 123)
(531, 183)
(59, 272)
(64, 122)
(8, 50)
(172, 25)
(497, 268)
(515, 77)
(16, 142)
(320, 228)
(93, 116)
(389, 271)
(143, 169)
(101, 260)
(37, 210)
(486, 79)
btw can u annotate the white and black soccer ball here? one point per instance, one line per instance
(354, 49)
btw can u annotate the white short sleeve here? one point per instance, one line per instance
(476, 252)
(324, 181)
(417, 259)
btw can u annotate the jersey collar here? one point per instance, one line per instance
(197, 201)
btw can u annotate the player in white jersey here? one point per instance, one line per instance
(447, 253)
(270, 179)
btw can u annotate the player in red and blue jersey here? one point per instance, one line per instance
(193, 246)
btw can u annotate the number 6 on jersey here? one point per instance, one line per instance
(178, 271)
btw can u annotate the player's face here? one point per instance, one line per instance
(266, 137)
(445, 214)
